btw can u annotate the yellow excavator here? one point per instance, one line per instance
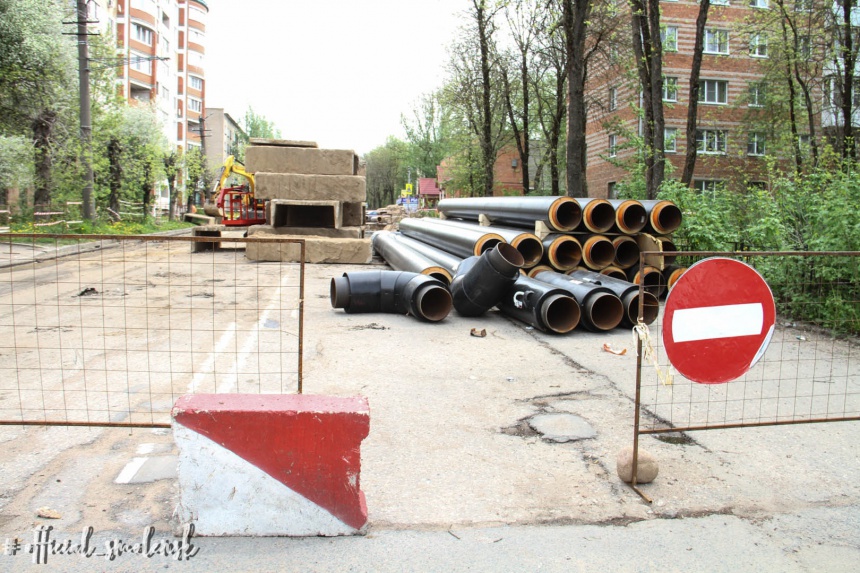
(236, 205)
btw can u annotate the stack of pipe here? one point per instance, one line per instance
(484, 250)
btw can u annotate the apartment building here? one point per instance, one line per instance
(731, 151)
(161, 46)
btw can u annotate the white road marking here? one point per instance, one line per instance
(232, 378)
(130, 469)
(223, 342)
(711, 322)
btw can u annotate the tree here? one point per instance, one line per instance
(693, 100)
(844, 63)
(36, 80)
(428, 133)
(576, 15)
(648, 48)
(386, 172)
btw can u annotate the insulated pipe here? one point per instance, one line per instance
(456, 241)
(560, 214)
(401, 258)
(543, 306)
(671, 274)
(609, 271)
(529, 246)
(598, 215)
(664, 217)
(670, 251)
(627, 292)
(442, 258)
(391, 291)
(597, 252)
(601, 308)
(561, 252)
(481, 282)
(626, 251)
(651, 277)
(539, 269)
(630, 215)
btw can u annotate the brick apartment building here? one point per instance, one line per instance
(731, 91)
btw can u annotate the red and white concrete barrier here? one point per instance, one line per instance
(271, 464)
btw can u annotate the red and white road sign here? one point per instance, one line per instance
(718, 320)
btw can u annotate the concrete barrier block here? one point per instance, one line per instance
(350, 188)
(265, 465)
(353, 214)
(352, 232)
(317, 250)
(292, 213)
(274, 159)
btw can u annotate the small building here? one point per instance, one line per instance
(428, 193)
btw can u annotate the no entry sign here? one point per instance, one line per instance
(718, 320)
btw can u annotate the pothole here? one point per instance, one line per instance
(561, 427)
(680, 439)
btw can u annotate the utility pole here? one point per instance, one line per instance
(85, 111)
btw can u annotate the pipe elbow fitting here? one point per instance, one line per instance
(481, 282)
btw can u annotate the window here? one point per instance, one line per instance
(670, 140)
(803, 5)
(760, 3)
(164, 93)
(720, 2)
(714, 91)
(707, 185)
(141, 63)
(613, 145)
(669, 37)
(612, 190)
(755, 145)
(195, 83)
(711, 141)
(716, 41)
(613, 99)
(804, 46)
(141, 34)
(195, 105)
(164, 44)
(758, 46)
(756, 94)
(670, 89)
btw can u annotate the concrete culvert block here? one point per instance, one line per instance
(646, 470)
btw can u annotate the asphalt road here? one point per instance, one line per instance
(455, 477)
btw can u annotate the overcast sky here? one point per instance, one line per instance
(338, 72)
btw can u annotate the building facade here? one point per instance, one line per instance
(223, 137)
(731, 146)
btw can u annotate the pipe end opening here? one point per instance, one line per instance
(434, 303)
(339, 292)
(560, 313)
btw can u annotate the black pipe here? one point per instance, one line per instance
(610, 271)
(529, 246)
(601, 308)
(442, 258)
(626, 251)
(627, 292)
(391, 291)
(560, 214)
(456, 241)
(543, 306)
(561, 252)
(671, 274)
(630, 215)
(664, 217)
(598, 215)
(402, 258)
(481, 282)
(650, 277)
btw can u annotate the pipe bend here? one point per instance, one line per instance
(398, 292)
(481, 282)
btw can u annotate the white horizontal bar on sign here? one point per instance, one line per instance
(710, 322)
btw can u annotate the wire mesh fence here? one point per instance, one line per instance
(810, 371)
(111, 330)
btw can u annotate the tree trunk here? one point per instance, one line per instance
(487, 148)
(43, 126)
(848, 66)
(115, 182)
(647, 46)
(693, 105)
(575, 22)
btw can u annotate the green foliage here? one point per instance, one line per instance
(387, 168)
(104, 228)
